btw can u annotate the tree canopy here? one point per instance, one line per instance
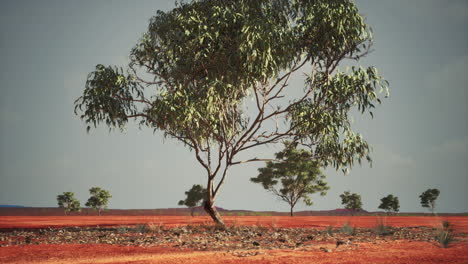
(214, 74)
(351, 201)
(195, 196)
(68, 202)
(293, 177)
(98, 199)
(428, 198)
(390, 203)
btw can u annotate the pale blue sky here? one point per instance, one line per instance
(419, 134)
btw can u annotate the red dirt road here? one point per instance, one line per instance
(459, 223)
(396, 252)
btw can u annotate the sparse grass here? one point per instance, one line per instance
(122, 229)
(444, 237)
(330, 230)
(445, 224)
(381, 227)
(348, 229)
(141, 228)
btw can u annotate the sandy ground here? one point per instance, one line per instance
(400, 251)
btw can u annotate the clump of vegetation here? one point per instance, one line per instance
(444, 237)
(141, 228)
(348, 229)
(148, 228)
(445, 224)
(330, 230)
(445, 234)
(122, 229)
(381, 228)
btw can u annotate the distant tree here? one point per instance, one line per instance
(390, 203)
(428, 198)
(99, 199)
(293, 176)
(215, 75)
(195, 196)
(351, 201)
(68, 202)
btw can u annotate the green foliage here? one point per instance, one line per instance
(68, 202)
(444, 237)
(99, 199)
(348, 229)
(381, 227)
(141, 228)
(390, 203)
(428, 198)
(195, 196)
(213, 73)
(445, 224)
(293, 176)
(122, 229)
(351, 200)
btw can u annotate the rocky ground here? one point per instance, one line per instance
(207, 237)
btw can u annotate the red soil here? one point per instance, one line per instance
(459, 223)
(392, 253)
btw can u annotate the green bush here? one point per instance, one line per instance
(444, 237)
(122, 229)
(348, 229)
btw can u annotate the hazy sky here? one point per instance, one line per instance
(47, 48)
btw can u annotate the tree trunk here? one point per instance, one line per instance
(292, 212)
(211, 210)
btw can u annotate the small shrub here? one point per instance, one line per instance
(122, 229)
(330, 230)
(381, 228)
(445, 224)
(348, 229)
(444, 237)
(154, 228)
(141, 228)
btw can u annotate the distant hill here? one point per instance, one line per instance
(11, 206)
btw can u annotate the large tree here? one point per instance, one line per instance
(214, 74)
(98, 199)
(351, 201)
(428, 198)
(390, 203)
(68, 202)
(298, 174)
(195, 196)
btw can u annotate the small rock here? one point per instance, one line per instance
(325, 249)
(339, 243)
(255, 243)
